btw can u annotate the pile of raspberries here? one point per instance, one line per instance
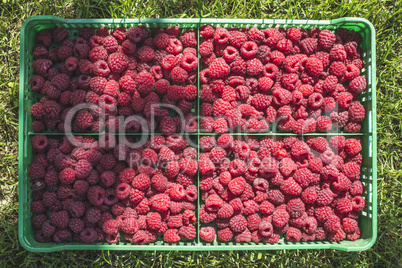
(255, 190)
(117, 74)
(85, 192)
(293, 79)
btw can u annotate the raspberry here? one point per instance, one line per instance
(96, 195)
(326, 39)
(59, 219)
(324, 124)
(82, 169)
(174, 47)
(117, 62)
(357, 111)
(81, 51)
(272, 36)
(225, 234)
(161, 40)
(309, 45)
(332, 224)
(248, 50)
(250, 207)
(189, 62)
(293, 235)
(352, 71)
(294, 34)
(129, 226)
(219, 68)
(356, 188)
(295, 207)
(93, 215)
(207, 31)
(167, 126)
(291, 187)
(260, 101)
(44, 37)
(355, 235)
(110, 44)
(267, 208)
(160, 202)
(188, 38)
(206, 216)
(338, 53)
(153, 220)
(238, 223)
(207, 234)
(254, 67)
(244, 236)
(188, 232)
(280, 218)
(229, 94)
(322, 213)
(281, 96)
(101, 68)
(358, 203)
(220, 125)
(285, 46)
(352, 147)
(221, 35)
(41, 66)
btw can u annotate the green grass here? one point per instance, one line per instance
(385, 16)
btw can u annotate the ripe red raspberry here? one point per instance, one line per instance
(352, 71)
(309, 45)
(141, 182)
(294, 34)
(206, 216)
(309, 195)
(117, 62)
(280, 218)
(110, 44)
(178, 75)
(285, 46)
(353, 127)
(358, 203)
(248, 50)
(146, 53)
(326, 39)
(207, 234)
(295, 207)
(244, 236)
(261, 101)
(356, 188)
(153, 220)
(322, 213)
(325, 197)
(267, 208)
(160, 202)
(225, 234)
(177, 192)
(188, 232)
(221, 35)
(220, 126)
(219, 68)
(332, 224)
(238, 223)
(206, 166)
(293, 234)
(220, 107)
(338, 53)
(354, 236)
(337, 68)
(352, 147)
(310, 225)
(238, 66)
(161, 40)
(226, 211)
(188, 38)
(281, 96)
(167, 126)
(254, 67)
(344, 205)
(357, 111)
(349, 225)
(237, 39)
(324, 124)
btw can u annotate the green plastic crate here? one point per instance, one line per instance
(368, 218)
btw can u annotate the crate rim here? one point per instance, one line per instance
(199, 246)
